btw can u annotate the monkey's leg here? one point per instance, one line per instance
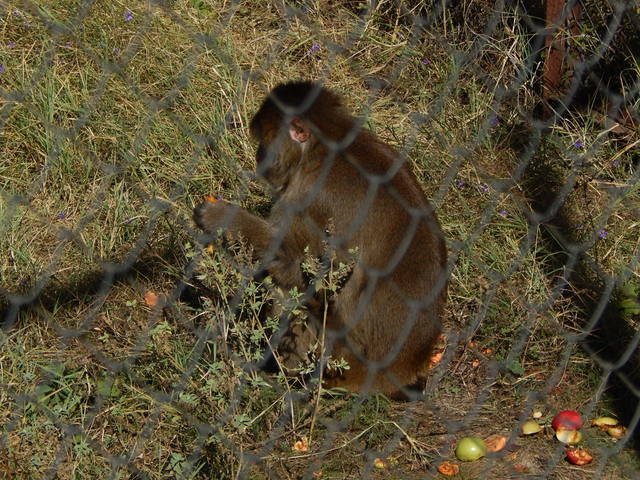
(397, 382)
(386, 345)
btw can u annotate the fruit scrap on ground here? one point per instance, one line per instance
(495, 443)
(449, 469)
(579, 456)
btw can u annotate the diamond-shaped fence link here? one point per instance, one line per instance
(134, 345)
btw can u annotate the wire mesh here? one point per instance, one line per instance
(131, 348)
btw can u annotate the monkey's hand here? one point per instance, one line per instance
(236, 223)
(210, 216)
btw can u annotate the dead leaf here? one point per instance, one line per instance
(521, 468)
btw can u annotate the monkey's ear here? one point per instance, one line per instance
(299, 130)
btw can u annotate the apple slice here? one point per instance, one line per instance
(604, 422)
(530, 427)
(579, 456)
(569, 436)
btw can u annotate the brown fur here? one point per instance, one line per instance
(386, 318)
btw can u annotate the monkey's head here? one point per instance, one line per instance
(293, 119)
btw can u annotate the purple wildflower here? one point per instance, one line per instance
(502, 213)
(2, 68)
(425, 62)
(460, 184)
(603, 233)
(61, 216)
(578, 144)
(616, 163)
(11, 44)
(483, 188)
(495, 121)
(128, 16)
(24, 282)
(315, 48)
(129, 220)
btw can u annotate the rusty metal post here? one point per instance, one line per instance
(557, 65)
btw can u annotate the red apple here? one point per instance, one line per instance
(579, 456)
(567, 420)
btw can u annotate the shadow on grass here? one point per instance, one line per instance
(148, 269)
(613, 339)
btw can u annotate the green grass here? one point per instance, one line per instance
(113, 130)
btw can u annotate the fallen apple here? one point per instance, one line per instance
(567, 420)
(617, 431)
(530, 427)
(470, 449)
(604, 422)
(579, 456)
(569, 436)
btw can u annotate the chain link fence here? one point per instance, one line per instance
(131, 349)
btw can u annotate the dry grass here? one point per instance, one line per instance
(114, 126)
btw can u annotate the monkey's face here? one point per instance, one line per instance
(280, 150)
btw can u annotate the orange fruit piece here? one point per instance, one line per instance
(449, 469)
(495, 443)
(151, 299)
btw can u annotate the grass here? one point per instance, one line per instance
(113, 129)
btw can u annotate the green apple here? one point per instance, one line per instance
(470, 449)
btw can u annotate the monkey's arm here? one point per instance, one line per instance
(283, 264)
(236, 222)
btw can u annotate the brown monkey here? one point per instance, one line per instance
(327, 170)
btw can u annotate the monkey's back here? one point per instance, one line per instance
(392, 303)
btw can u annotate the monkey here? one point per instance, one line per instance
(326, 169)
